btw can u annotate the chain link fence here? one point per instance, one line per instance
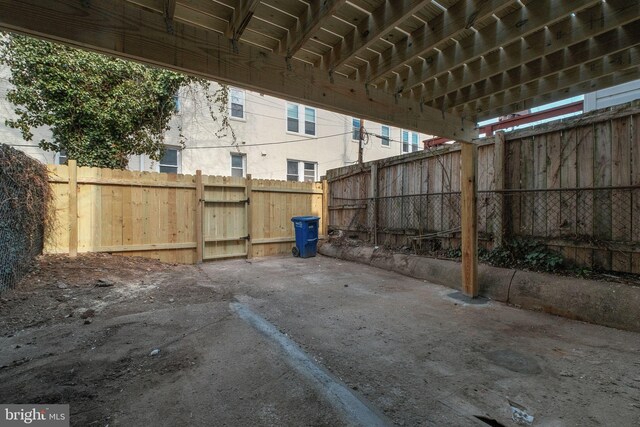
(419, 214)
(595, 215)
(590, 219)
(25, 199)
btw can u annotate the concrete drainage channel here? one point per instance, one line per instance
(353, 409)
(602, 303)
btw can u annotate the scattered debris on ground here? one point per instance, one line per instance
(111, 335)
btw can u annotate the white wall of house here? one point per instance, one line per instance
(13, 137)
(266, 144)
(615, 95)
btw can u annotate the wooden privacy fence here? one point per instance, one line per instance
(176, 218)
(575, 185)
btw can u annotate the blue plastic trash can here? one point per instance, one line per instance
(306, 228)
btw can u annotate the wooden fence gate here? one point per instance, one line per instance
(225, 218)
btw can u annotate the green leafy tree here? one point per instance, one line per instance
(100, 109)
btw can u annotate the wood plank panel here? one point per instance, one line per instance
(527, 175)
(498, 162)
(602, 198)
(554, 205)
(58, 239)
(73, 208)
(635, 177)
(568, 179)
(539, 199)
(584, 201)
(621, 200)
(105, 214)
(512, 200)
(482, 182)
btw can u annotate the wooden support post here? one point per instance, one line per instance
(498, 185)
(199, 209)
(469, 220)
(249, 215)
(373, 203)
(73, 208)
(325, 207)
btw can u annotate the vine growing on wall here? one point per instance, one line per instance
(100, 109)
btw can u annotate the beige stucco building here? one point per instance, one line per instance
(12, 136)
(275, 139)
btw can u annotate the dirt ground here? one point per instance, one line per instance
(82, 331)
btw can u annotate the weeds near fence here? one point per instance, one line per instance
(519, 253)
(25, 213)
(525, 254)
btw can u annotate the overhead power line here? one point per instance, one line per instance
(310, 138)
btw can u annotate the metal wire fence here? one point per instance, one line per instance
(24, 202)
(600, 218)
(598, 215)
(418, 214)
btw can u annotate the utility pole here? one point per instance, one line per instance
(361, 142)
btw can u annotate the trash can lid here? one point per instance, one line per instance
(305, 218)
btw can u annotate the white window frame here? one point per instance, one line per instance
(244, 163)
(242, 96)
(355, 136)
(412, 142)
(301, 169)
(61, 158)
(178, 165)
(302, 110)
(415, 142)
(386, 137)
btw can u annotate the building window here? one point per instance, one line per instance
(238, 164)
(297, 114)
(405, 141)
(62, 157)
(292, 118)
(355, 129)
(409, 141)
(301, 171)
(169, 161)
(176, 103)
(236, 103)
(309, 171)
(384, 136)
(309, 121)
(292, 170)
